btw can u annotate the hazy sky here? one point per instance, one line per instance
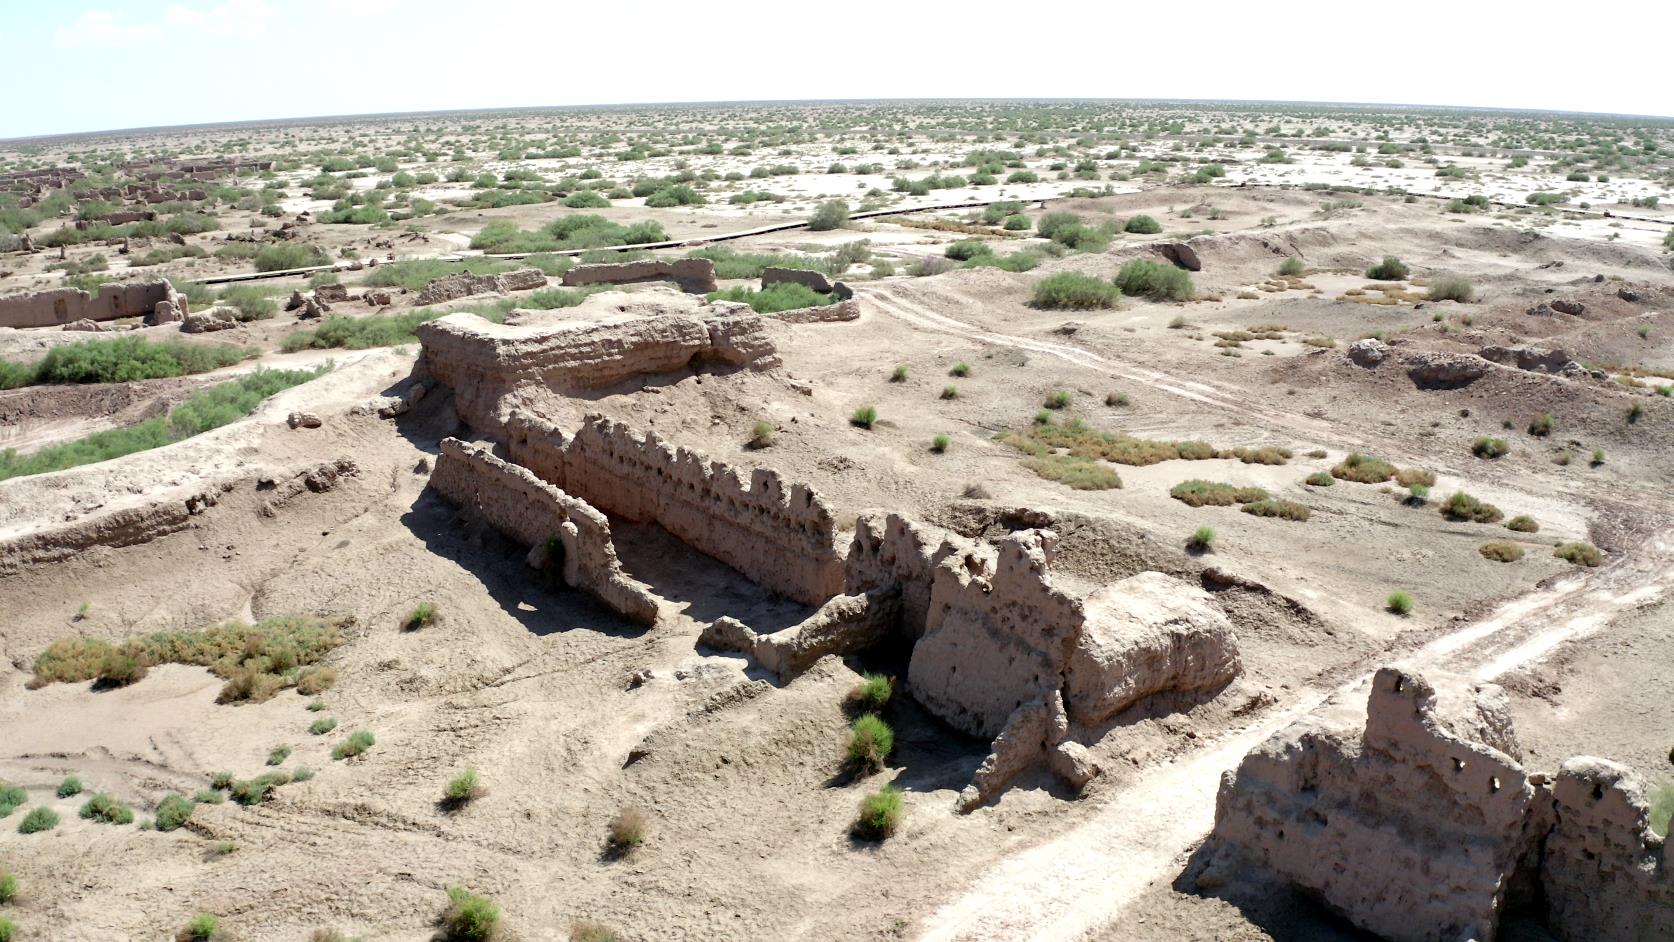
(148, 62)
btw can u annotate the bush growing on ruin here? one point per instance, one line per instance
(104, 808)
(871, 740)
(288, 255)
(1489, 447)
(422, 614)
(1451, 289)
(1283, 509)
(1159, 281)
(880, 814)
(252, 303)
(1202, 540)
(761, 434)
(1581, 554)
(1662, 808)
(469, 917)
(358, 742)
(1400, 603)
(627, 831)
(1291, 267)
(37, 820)
(462, 789)
(872, 694)
(1074, 291)
(832, 214)
(1463, 507)
(173, 811)
(1390, 269)
(1522, 523)
(784, 296)
(864, 417)
(1501, 551)
(202, 928)
(586, 930)
(1142, 225)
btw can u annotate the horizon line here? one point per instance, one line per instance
(512, 109)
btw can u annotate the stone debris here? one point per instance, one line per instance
(303, 420)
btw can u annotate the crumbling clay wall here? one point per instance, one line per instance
(485, 362)
(1605, 875)
(1411, 826)
(783, 539)
(523, 507)
(465, 284)
(995, 635)
(60, 306)
(1416, 822)
(693, 275)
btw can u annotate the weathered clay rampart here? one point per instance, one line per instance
(1416, 821)
(782, 538)
(530, 511)
(465, 284)
(483, 362)
(693, 275)
(59, 306)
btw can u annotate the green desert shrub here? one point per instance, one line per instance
(1489, 447)
(173, 811)
(586, 199)
(278, 755)
(864, 417)
(1662, 808)
(1074, 291)
(1142, 225)
(106, 809)
(1581, 554)
(1523, 523)
(832, 214)
(127, 359)
(1451, 289)
(1399, 603)
(424, 613)
(463, 789)
(202, 928)
(37, 820)
(323, 725)
(1463, 507)
(285, 256)
(8, 929)
(1542, 425)
(1363, 469)
(627, 830)
(256, 790)
(470, 917)
(1319, 479)
(586, 930)
(1291, 267)
(1159, 281)
(1202, 540)
(940, 443)
(358, 742)
(872, 694)
(1501, 551)
(1282, 509)
(880, 814)
(871, 740)
(1199, 493)
(8, 887)
(1390, 269)
(784, 296)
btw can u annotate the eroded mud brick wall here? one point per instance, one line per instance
(63, 305)
(530, 511)
(1604, 874)
(784, 539)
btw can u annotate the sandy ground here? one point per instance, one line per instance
(740, 776)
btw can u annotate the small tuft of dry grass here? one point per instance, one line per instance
(1282, 509)
(627, 831)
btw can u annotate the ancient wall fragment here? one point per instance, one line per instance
(1409, 820)
(1604, 874)
(693, 275)
(530, 511)
(1147, 634)
(59, 306)
(847, 624)
(784, 539)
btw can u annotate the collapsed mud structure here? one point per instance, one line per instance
(692, 275)
(156, 301)
(1417, 821)
(995, 649)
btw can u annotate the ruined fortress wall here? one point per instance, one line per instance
(59, 306)
(693, 275)
(783, 539)
(530, 511)
(889, 549)
(1411, 829)
(1604, 873)
(484, 362)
